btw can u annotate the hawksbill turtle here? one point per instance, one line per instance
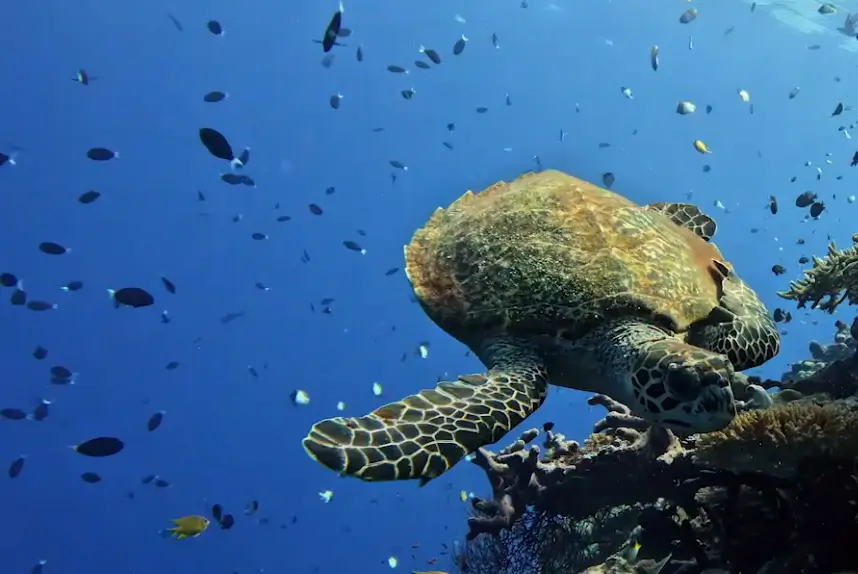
(550, 279)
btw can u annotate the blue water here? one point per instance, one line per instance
(228, 437)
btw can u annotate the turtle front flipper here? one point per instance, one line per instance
(688, 216)
(425, 434)
(739, 328)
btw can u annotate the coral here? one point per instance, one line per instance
(775, 441)
(775, 491)
(832, 280)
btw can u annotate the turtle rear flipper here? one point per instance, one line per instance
(425, 434)
(688, 216)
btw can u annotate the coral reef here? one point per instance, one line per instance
(832, 280)
(774, 492)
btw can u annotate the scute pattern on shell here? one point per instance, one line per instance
(549, 252)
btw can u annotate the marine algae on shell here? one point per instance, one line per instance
(832, 280)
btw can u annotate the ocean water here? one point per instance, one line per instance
(229, 437)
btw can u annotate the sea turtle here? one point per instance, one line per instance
(550, 279)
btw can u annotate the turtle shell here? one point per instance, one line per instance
(550, 254)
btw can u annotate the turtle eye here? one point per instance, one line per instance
(682, 383)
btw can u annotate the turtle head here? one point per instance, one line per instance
(683, 388)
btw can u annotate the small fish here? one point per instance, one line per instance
(155, 421)
(685, 108)
(88, 197)
(688, 16)
(99, 447)
(627, 92)
(82, 78)
(608, 179)
(17, 466)
(168, 285)
(701, 147)
(773, 204)
(744, 96)
(653, 58)
(215, 28)
(335, 101)
(131, 297)
(218, 146)
(51, 248)
(354, 246)
(329, 39)
(838, 109)
(176, 23)
(397, 69)
(805, 199)
(8, 280)
(187, 527)
(359, 54)
(90, 477)
(101, 154)
(459, 46)
(794, 92)
(827, 8)
(215, 96)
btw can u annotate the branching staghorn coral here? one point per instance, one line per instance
(832, 280)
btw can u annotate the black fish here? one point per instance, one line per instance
(231, 178)
(51, 248)
(155, 421)
(99, 447)
(40, 413)
(131, 297)
(72, 286)
(333, 30)
(13, 414)
(88, 196)
(217, 144)
(17, 466)
(90, 477)
(176, 23)
(101, 154)
(168, 285)
(61, 372)
(459, 46)
(854, 161)
(816, 209)
(805, 199)
(40, 352)
(214, 97)
(773, 204)
(215, 27)
(8, 279)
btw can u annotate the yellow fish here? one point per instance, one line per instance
(701, 147)
(187, 527)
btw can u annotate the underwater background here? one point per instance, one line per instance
(252, 321)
